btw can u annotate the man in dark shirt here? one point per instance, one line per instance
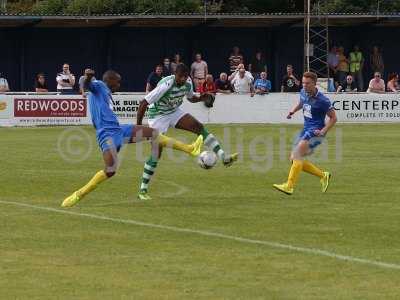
(222, 84)
(154, 78)
(348, 86)
(290, 83)
(257, 65)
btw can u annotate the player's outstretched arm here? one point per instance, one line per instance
(141, 111)
(295, 110)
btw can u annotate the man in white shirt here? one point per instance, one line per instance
(3, 84)
(236, 73)
(243, 84)
(198, 71)
(65, 81)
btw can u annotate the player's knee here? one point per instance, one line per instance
(199, 128)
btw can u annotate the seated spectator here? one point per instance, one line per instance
(243, 84)
(198, 71)
(348, 86)
(393, 83)
(223, 85)
(377, 84)
(262, 85)
(208, 86)
(65, 81)
(40, 84)
(3, 84)
(154, 78)
(177, 60)
(290, 83)
(81, 82)
(167, 70)
(236, 73)
(257, 65)
(235, 59)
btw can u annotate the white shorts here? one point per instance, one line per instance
(163, 122)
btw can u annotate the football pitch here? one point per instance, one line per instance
(223, 233)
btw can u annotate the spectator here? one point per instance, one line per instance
(343, 66)
(81, 82)
(208, 86)
(257, 65)
(167, 70)
(154, 78)
(348, 86)
(41, 84)
(356, 67)
(333, 62)
(199, 70)
(290, 83)
(393, 83)
(223, 85)
(376, 61)
(4, 87)
(377, 84)
(236, 73)
(65, 81)
(235, 59)
(262, 85)
(177, 61)
(242, 84)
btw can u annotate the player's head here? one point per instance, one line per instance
(309, 82)
(181, 74)
(112, 79)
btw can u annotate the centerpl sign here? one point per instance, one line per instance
(34, 107)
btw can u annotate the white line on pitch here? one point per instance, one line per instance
(214, 234)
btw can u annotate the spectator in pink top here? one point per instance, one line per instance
(393, 83)
(377, 84)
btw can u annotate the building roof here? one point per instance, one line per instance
(190, 20)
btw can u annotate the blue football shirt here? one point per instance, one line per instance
(315, 109)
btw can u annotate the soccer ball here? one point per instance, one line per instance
(207, 159)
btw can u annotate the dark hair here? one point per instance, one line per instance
(40, 75)
(391, 76)
(159, 66)
(111, 74)
(182, 69)
(311, 75)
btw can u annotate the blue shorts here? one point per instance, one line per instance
(115, 139)
(308, 135)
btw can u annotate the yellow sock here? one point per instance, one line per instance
(166, 141)
(294, 173)
(310, 168)
(92, 184)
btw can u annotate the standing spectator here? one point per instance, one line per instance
(81, 83)
(377, 84)
(235, 59)
(376, 61)
(243, 84)
(257, 65)
(262, 85)
(167, 70)
(4, 87)
(208, 86)
(356, 67)
(65, 81)
(290, 83)
(333, 62)
(177, 61)
(236, 73)
(154, 78)
(348, 86)
(41, 84)
(199, 70)
(343, 66)
(222, 84)
(393, 83)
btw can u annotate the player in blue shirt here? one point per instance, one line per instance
(316, 106)
(111, 136)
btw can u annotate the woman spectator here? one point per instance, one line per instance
(393, 83)
(41, 84)
(177, 60)
(208, 86)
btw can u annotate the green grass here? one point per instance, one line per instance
(49, 255)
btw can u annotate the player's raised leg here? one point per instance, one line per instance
(189, 123)
(110, 157)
